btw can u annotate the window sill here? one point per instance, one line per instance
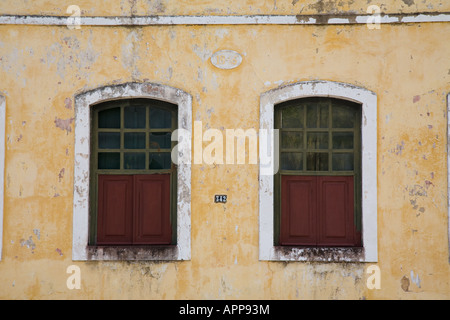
(132, 253)
(317, 254)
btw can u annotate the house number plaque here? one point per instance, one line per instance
(226, 59)
(220, 198)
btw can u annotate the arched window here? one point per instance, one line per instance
(318, 184)
(133, 179)
(131, 201)
(320, 202)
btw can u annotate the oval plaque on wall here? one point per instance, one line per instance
(226, 59)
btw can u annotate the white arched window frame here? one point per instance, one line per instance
(2, 165)
(368, 100)
(448, 171)
(83, 102)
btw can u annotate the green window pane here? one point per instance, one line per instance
(134, 160)
(109, 118)
(317, 114)
(317, 161)
(343, 116)
(317, 140)
(160, 160)
(160, 118)
(134, 117)
(343, 140)
(109, 140)
(134, 140)
(109, 160)
(292, 117)
(160, 140)
(343, 162)
(291, 161)
(292, 140)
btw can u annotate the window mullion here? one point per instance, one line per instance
(330, 136)
(305, 140)
(122, 138)
(147, 137)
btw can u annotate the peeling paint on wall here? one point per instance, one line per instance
(68, 103)
(64, 124)
(404, 282)
(408, 2)
(29, 243)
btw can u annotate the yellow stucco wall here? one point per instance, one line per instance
(42, 67)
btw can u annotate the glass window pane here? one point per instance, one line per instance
(291, 161)
(343, 162)
(160, 160)
(134, 160)
(109, 140)
(109, 160)
(134, 117)
(292, 117)
(317, 161)
(160, 118)
(343, 140)
(317, 114)
(134, 140)
(343, 116)
(292, 140)
(160, 140)
(109, 118)
(317, 140)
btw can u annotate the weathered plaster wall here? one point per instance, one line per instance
(43, 67)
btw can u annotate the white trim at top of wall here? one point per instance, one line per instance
(368, 101)
(2, 165)
(319, 19)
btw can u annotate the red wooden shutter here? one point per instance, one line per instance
(152, 209)
(336, 211)
(298, 210)
(115, 205)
